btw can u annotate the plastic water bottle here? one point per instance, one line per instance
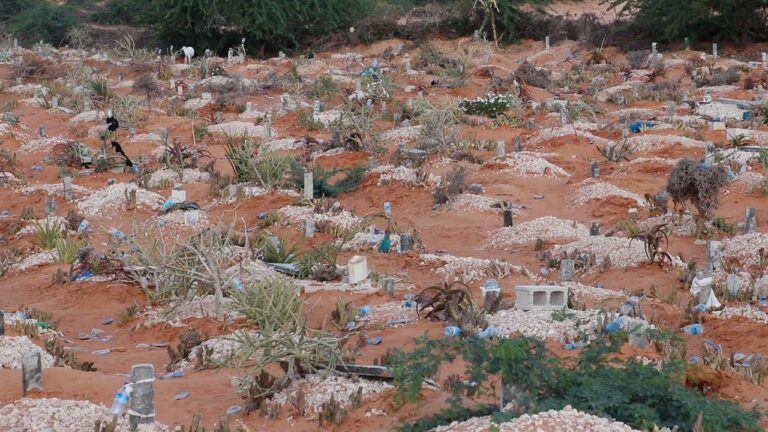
(408, 304)
(489, 331)
(628, 305)
(117, 233)
(614, 325)
(693, 329)
(574, 345)
(366, 310)
(121, 400)
(452, 331)
(238, 283)
(701, 307)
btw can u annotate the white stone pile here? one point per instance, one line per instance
(108, 200)
(553, 133)
(177, 219)
(400, 174)
(647, 142)
(188, 175)
(198, 307)
(366, 241)
(621, 253)
(59, 415)
(469, 269)
(720, 110)
(402, 134)
(545, 228)
(55, 189)
(34, 260)
(581, 291)
(542, 325)
(223, 349)
(564, 420)
(319, 390)
(527, 164)
(468, 202)
(592, 189)
(12, 347)
(42, 144)
(676, 225)
(750, 181)
(49, 221)
(385, 313)
(747, 311)
(342, 219)
(238, 128)
(744, 247)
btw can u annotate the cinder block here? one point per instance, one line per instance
(540, 297)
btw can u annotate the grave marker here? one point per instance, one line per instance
(500, 148)
(308, 186)
(750, 220)
(309, 227)
(406, 242)
(388, 284)
(31, 371)
(567, 270)
(531, 123)
(143, 397)
(67, 188)
(2, 323)
(594, 229)
(50, 205)
(714, 50)
(518, 145)
(687, 43)
(508, 217)
(41, 131)
(714, 254)
(704, 275)
(594, 169)
(546, 43)
(732, 283)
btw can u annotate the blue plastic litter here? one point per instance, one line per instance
(436, 206)
(4, 213)
(746, 116)
(374, 340)
(170, 202)
(409, 296)
(181, 395)
(101, 352)
(106, 321)
(234, 409)
(261, 216)
(637, 126)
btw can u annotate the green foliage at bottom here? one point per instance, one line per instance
(596, 382)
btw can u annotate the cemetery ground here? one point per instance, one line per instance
(480, 163)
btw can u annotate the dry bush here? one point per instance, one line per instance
(638, 59)
(533, 75)
(691, 181)
(34, 67)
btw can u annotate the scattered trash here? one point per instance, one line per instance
(693, 329)
(181, 395)
(101, 352)
(375, 340)
(234, 409)
(171, 375)
(452, 331)
(121, 400)
(106, 321)
(538, 196)
(366, 310)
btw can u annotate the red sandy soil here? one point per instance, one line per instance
(78, 307)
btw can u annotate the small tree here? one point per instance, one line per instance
(149, 86)
(692, 181)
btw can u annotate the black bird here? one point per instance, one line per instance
(119, 150)
(113, 124)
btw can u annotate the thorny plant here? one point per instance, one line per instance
(446, 301)
(652, 239)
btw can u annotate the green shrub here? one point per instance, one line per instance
(41, 20)
(640, 395)
(321, 180)
(47, 234)
(272, 304)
